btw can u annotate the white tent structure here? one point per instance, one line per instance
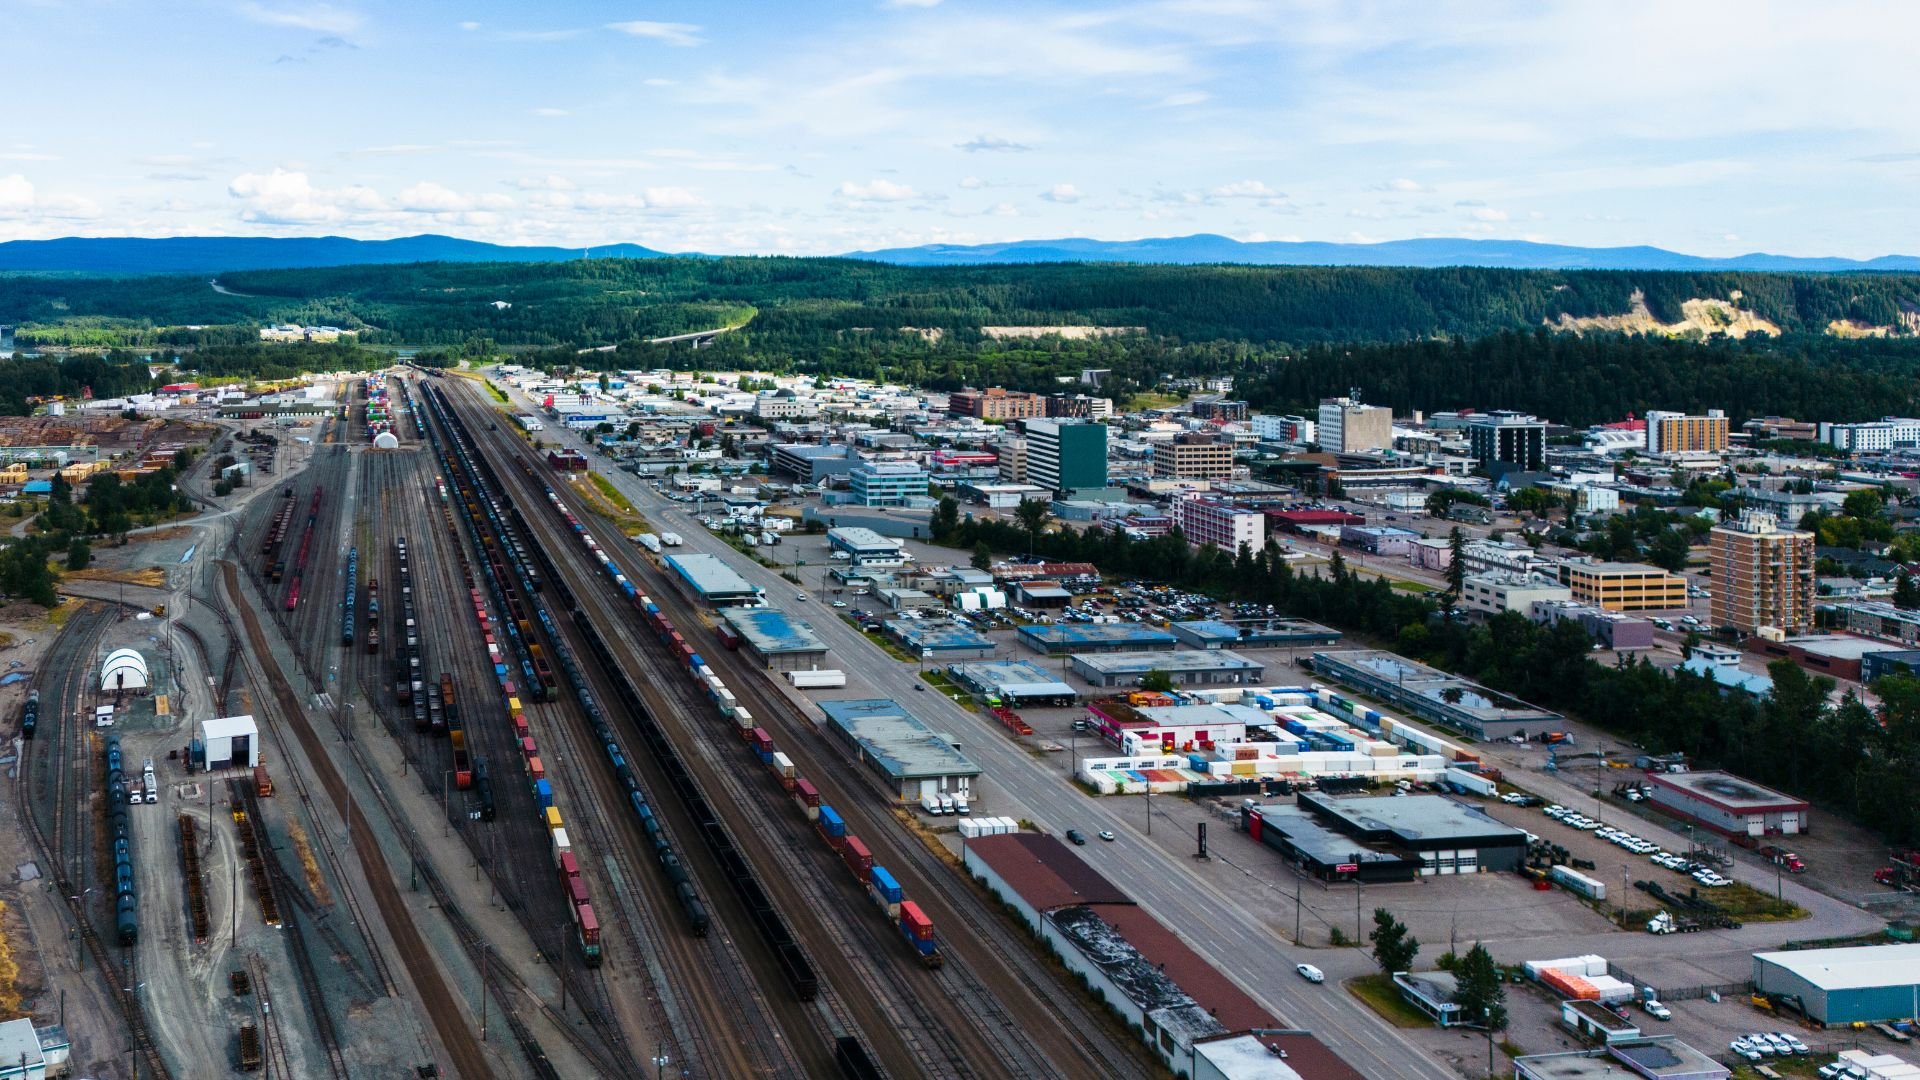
(125, 669)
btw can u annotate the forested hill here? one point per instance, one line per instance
(1416, 339)
(599, 302)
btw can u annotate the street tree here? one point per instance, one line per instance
(1393, 947)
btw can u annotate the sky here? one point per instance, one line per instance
(807, 127)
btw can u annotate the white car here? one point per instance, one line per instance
(1310, 973)
(1657, 1010)
(1744, 1049)
(839, 603)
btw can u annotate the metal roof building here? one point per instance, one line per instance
(1446, 836)
(1253, 633)
(1435, 695)
(708, 579)
(1863, 983)
(124, 669)
(1187, 667)
(1016, 682)
(775, 640)
(1728, 804)
(1093, 637)
(910, 757)
(938, 640)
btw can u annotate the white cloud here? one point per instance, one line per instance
(878, 190)
(1489, 214)
(431, 198)
(896, 4)
(671, 33)
(1004, 209)
(972, 183)
(1246, 189)
(16, 192)
(549, 182)
(1402, 184)
(1184, 98)
(320, 18)
(469, 26)
(289, 198)
(991, 144)
(549, 110)
(1063, 193)
(656, 82)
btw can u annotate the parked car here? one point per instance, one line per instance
(1656, 1010)
(1743, 1049)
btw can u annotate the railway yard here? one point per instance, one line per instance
(503, 824)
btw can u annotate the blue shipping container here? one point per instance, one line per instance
(886, 886)
(830, 822)
(543, 793)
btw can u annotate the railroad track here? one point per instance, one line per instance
(64, 852)
(444, 570)
(441, 1007)
(1001, 974)
(711, 995)
(273, 1039)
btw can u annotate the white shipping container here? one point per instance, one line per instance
(560, 846)
(1588, 887)
(782, 764)
(823, 679)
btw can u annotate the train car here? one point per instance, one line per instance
(483, 788)
(462, 768)
(30, 715)
(293, 594)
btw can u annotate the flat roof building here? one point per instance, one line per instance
(864, 547)
(1508, 440)
(1434, 695)
(1728, 804)
(811, 463)
(1066, 455)
(940, 641)
(1446, 836)
(1186, 667)
(1856, 984)
(1016, 683)
(1193, 455)
(887, 483)
(777, 641)
(1348, 427)
(909, 757)
(1651, 1058)
(1620, 586)
(1093, 637)
(709, 580)
(1274, 633)
(1313, 846)
(1762, 574)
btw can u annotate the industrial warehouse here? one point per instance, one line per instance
(1387, 838)
(1253, 633)
(1858, 984)
(771, 637)
(1015, 683)
(1437, 696)
(1081, 639)
(911, 759)
(1729, 805)
(708, 580)
(1186, 667)
(931, 639)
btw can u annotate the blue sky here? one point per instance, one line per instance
(812, 127)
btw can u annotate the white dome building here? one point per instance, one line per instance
(386, 440)
(124, 669)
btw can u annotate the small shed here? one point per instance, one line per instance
(230, 742)
(124, 669)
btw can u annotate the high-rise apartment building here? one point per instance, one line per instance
(1510, 439)
(1762, 574)
(1225, 526)
(1064, 454)
(1678, 433)
(1193, 455)
(1348, 427)
(1219, 409)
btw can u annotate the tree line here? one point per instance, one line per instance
(1840, 755)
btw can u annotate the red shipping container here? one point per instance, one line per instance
(807, 793)
(589, 924)
(519, 726)
(915, 921)
(762, 741)
(857, 857)
(527, 748)
(577, 891)
(569, 866)
(538, 771)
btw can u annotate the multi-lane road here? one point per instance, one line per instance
(1239, 942)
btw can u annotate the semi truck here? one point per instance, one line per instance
(671, 539)
(649, 541)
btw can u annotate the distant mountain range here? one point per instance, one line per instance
(1511, 254)
(213, 254)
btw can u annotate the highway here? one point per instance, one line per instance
(1234, 939)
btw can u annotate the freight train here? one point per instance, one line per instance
(352, 600)
(306, 550)
(126, 914)
(913, 924)
(507, 570)
(30, 715)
